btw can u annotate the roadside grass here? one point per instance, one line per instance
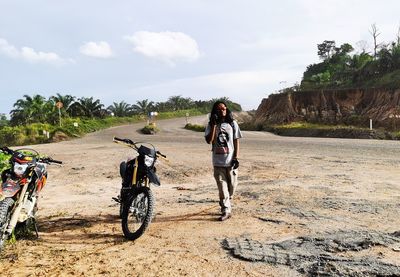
(306, 129)
(74, 127)
(181, 113)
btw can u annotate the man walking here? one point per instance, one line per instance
(223, 133)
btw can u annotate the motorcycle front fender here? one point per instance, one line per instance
(122, 169)
(153, 178)
(9, 188)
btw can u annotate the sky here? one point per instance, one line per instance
(203, 49)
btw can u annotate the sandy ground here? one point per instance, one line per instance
(289, 187)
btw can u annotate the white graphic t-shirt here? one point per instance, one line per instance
(223, 145)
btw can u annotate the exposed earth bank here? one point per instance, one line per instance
(342, 106)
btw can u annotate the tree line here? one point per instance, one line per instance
(39, 109)
(341, 68)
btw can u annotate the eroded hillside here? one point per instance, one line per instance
(354, 107)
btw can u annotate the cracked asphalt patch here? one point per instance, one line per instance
(321, 255)
(357, 205)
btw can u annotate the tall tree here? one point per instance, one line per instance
(120, 109)
(398, 36)
(326, 49)
(87, 107)
(30, 110)
(180, 103)
(143, 106)
(3, 120)
(66, 100)
(362, 45)
(375, 33)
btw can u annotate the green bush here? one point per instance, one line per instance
(150, 129)
(396, 135)
(195, 127)
(4, 164)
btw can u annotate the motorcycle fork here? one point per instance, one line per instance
(18, 207)
(134, 175)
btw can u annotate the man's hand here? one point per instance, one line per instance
(235, 163)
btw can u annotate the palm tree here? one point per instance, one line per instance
(87, 107)
(120, 109)
(3, 120)
(30, 109)
(143, 106)
(232, 105)
(163, 107)
(180, 103)
(66, 100)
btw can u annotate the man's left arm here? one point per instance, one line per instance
(236, 136)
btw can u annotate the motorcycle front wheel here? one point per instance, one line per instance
(5, 216)
(137, 213)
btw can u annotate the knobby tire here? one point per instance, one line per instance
(126, 214)
(5, 216)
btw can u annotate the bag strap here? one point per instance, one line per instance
(233, 127)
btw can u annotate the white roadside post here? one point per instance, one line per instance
(395, 121)
(153, 118)
(370, 124)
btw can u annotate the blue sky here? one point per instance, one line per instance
(134, 50)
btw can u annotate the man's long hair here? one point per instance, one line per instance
(229, 115)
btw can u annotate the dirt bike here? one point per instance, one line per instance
(20, 189)
(136, 199)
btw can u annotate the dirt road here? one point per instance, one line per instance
(304, 206)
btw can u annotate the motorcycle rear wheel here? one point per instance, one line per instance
(5, 216)
(137, 213)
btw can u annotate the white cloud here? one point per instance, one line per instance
(30, 55)
(168, 47)
(8, 49)
(97, 49)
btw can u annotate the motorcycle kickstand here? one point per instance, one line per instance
(36, 228)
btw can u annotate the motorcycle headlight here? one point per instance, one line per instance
(148, 161)
(19, 169)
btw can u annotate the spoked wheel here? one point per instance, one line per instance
(5, 216)
(137, 213)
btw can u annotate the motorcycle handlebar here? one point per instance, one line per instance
(162, 155)
(55, 161)
(7, 150)
(127, 141)
(131, 143)
(50, 160)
